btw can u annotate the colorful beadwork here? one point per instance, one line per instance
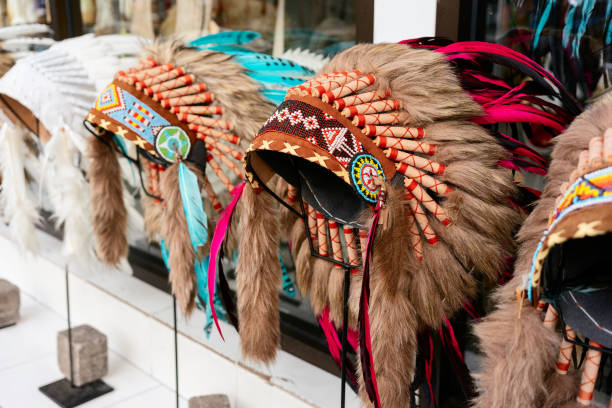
(128, 110)
(308, 122)
(170, 141)
(164, 110)
(366, 169)
(590, 190)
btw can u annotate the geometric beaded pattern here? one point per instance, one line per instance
(322, 130)
(381, 120)
(131, 112)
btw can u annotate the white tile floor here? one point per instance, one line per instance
(28, 360)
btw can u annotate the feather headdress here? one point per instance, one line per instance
(191, 113)
(522, 352)
(61, 82)
(382, 134)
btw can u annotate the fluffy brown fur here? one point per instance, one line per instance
(300, 251)
(108, 209)
(576, 404)
(501, 334)
(303, 268)
(335, 294)
(176, 235)
(519, 382)
(258, 276)
(152, 213)
(318, 284)
(561, 388)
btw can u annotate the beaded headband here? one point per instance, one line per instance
(48, 93)
(336, 122)
(162, 110)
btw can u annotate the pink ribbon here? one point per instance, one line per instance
(215, 249)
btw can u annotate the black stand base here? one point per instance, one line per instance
(66, 396)
(7, 325)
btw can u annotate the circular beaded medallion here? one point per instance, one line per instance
(170, 141)
(365, 168)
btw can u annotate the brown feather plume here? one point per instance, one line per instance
(300, 251)
(335, 294)
(517, 351)
(258, 276)
(429, 290)
(318, 285)
(108, 209)
(176, 234)
(152, 212)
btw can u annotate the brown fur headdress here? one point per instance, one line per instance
(190, 113)
(382, 133)
(523, 354)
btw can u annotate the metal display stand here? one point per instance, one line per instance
(176, 366)
(63, 392)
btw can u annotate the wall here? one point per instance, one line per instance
(396, 20)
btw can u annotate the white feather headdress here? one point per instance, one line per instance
(56, 88)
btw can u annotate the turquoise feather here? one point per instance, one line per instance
(165, 254)
(262, 63)
(274, 75)
(229, 49)
(276, 96)
(608, 37)
(542, 23)
(568, 25)
(288, 286)
(229, 37)
(201, 271)
(197, 221)
(587, 10)
(275, 79)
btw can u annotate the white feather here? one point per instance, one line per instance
(306, 58)
(19, 209)
(68, 192)
(24, 30)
